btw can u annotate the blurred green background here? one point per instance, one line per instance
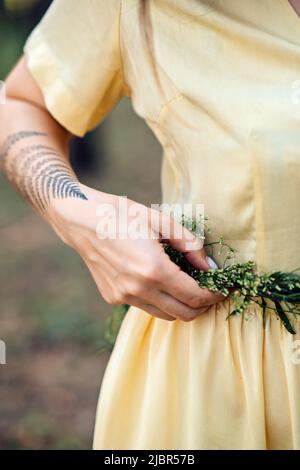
(52, 317)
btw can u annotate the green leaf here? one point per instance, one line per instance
(283, 317)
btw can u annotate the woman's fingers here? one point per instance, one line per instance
(181, 239)
(170, 306)
(151, 282)
(164, 277)
(151, 309)
(151, 299)
(184, 288)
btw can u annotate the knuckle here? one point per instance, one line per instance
(134, 289)
(204, 309)
(108, 299)
(208, 297)
(93, 257)
(172, 269)
(152, 272)
(187, 317)
(116, 299)
(195, 302)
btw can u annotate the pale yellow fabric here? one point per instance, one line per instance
(229, 124)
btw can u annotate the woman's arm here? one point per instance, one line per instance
(33, 147)
(35, 158)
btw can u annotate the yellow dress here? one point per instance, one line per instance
(229, 125)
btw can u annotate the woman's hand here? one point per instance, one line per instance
(126, 270)
(133, 268)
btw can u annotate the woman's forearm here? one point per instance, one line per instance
(34, 155)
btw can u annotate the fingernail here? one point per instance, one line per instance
(211, 263)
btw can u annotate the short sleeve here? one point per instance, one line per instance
(74, 56)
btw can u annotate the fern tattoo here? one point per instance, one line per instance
(38, 171)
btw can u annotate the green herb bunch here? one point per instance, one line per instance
(239, 282)
(243, 285)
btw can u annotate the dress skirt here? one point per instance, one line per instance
(212, 383)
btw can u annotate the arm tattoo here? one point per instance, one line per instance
(38, 171)
(15, 138)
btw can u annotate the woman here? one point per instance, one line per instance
(220, 99)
